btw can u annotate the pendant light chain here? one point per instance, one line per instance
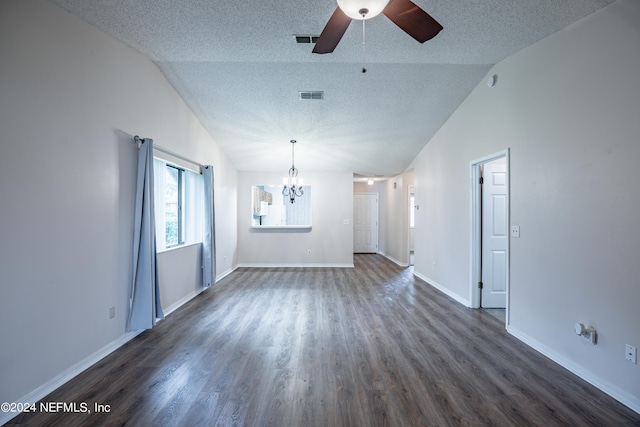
(364, 58)
(293, 171)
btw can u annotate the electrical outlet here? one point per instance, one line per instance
(112, 312)
(631, 354)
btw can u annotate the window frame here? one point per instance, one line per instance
(191, 209)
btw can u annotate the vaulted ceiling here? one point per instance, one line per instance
(238, 67)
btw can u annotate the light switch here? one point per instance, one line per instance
(515, 231)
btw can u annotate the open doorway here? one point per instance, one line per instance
(490, 235)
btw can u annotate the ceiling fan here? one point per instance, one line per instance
(404, 13)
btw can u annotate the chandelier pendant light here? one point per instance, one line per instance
(292, 185)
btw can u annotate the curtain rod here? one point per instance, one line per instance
(138, 140)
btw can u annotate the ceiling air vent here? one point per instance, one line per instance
(306, 38)
(316, 94)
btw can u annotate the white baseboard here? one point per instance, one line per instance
(277, 265)
(42, 391)
(392, 259)
(182, 301)
(176, 305)
(623, 397)
(226, 273)
(443, 289)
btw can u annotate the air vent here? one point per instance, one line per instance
(306, 38)
(316, 94)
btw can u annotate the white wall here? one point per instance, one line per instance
(568, 108)
(394, 226)
(179, 275)
(329, 239)
(70, 100)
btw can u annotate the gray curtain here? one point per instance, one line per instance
(209, 238)
(144, 305)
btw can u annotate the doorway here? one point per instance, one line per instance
(490, 235)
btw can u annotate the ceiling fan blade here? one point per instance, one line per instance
(412, 20)
(333, 32)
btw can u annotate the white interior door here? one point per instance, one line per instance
(494, 234)
(365, 223)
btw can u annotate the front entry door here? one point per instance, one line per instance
(365, 223)
(494, 234)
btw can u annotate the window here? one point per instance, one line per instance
(173, 205)
(179, 205)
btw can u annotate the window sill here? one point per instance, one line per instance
(284, 227)
(173, 248)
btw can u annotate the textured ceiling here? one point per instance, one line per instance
(237, 66)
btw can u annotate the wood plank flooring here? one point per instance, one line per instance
(369, 346)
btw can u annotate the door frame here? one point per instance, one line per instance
(411, 189)
(476, 227)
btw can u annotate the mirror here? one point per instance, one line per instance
(270, 209)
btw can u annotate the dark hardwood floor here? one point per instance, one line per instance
(370, 346)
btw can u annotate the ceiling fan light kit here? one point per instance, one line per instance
(362, 9)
